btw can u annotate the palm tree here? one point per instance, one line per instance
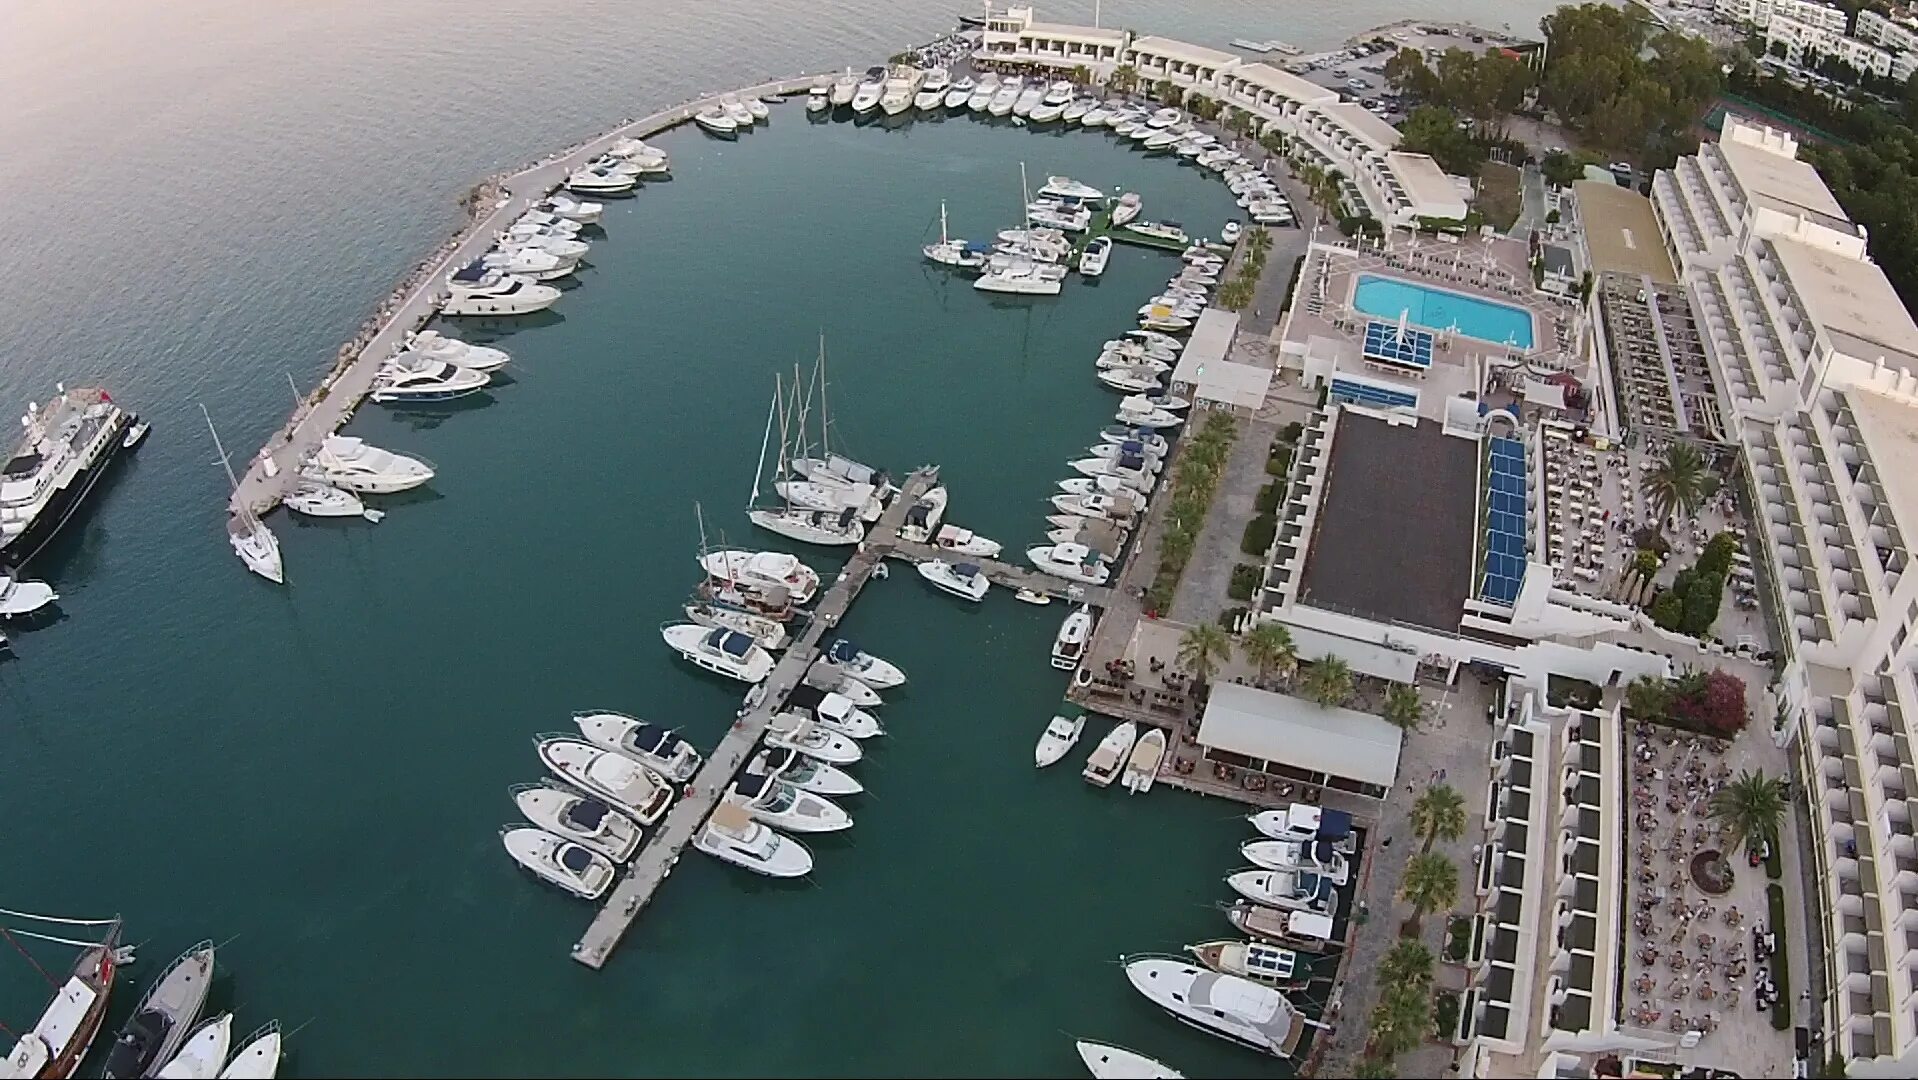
(1401, 1019)
(1753, 806)
(1430, 883)
(1403, 709)
(1438, 814)
(1408, 963)
(1329, 681)
(1648, 698)
(1679, 482)
(1201, 648)
(1374, 1068)
(1268, 646)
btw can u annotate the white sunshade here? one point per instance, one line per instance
(1299, 733)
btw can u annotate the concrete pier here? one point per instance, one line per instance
(1010, 576)
(673, 833)
(271, 470)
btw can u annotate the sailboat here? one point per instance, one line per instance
(832, 528)
(252, 541)
(828, 492)
(952, 251)
(1021, 277)
(57, 1042)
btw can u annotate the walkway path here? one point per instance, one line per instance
(1202, 594)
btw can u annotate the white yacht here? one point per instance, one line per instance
(763, 568)
(351, 463)
(769, 633)
(1096, 116)
(864, 666)
(1128, 350)
(932, 90)
(1165, 118)
(657, 747)
(784, 806)
(824, 676)
(600, 182)
(811, 526)
(1069, 645)
(1075, 562)
(1110, 755)
(1148, 417)
(585, 820)
(959, 93)
(960, 579)
(1092, 261)
(1151, 338)
(901, 86)
(1159, 230)
(1022, 280)
(1258, 961)
(1055, 216)
(528, 262)
(1131, 380)
(866, 98)
(315, 499)
(1142, 767)
(731, 835)
(579, 870)
(1311, 856)
(794, 732)
(1242, 1011)
(1148, 442)
(960, 541)
(562, 205)
(1076, 110)
(983, 93)
(833, 711)
(1302, 930)
(412, 379)
(1106, 483)
(1065, 187)
(1053, 105)
(844, 86)
(805, 773)
(760, 111)
(1030, 96)
(256, 546)
(1107, 1062)
(627, 784)
(437, 346)
(479, 290)
(1119, 509)
(1006, 96)
(1230, 233)
(737, 111)
(1110, 360)
(713, 120)
(23, 597)
(818, 99)
(1061, 734)
(258, 1057)
(1289, 890)
(203, 1053)
(635, 152)
(1306, 821)
(1120, 459)
(718, 650)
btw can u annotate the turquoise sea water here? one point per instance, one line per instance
(1442, 309)
(206, 197)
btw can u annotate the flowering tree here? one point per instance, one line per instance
(1716, 704)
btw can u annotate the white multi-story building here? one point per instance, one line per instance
(1759, 13)
(1749, 12)
(1013, 34)
(1818, 361)
(1805, 41)
(1886, 31)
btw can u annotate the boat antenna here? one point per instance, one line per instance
(763, 441)
(11, 940)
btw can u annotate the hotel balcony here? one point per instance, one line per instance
(1744, 379)
(1681, 226)
(1690, 178)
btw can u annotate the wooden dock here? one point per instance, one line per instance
(673, 833)
(1010, 576)
(271, 471)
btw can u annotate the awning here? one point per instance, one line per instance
(1302, 734)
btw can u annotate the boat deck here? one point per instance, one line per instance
(671, 836)
(1010, 576)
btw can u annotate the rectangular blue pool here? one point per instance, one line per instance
(1441, 309)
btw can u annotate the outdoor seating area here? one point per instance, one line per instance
(1576, 518)
(1661, 377)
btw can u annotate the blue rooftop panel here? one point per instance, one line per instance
(1386, 343)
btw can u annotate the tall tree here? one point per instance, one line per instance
(1430, 883)
(1679, 481)
(1268, 647)
(1329, 681)
(1648, 698)
(1753, 806)
(1434, 130)
(1401, 1018)
(1409, 962)
(1439, 814)
(1403, 708)
(1201, 648)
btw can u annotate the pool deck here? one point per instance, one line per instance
(1471, 304)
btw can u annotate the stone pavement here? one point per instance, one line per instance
(1201, 595)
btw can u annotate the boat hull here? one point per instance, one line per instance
(62, 505)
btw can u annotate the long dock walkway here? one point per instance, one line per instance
(670, 837)
(1010, 576)
(321, 413)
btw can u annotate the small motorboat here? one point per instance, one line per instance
(1092, 261)
(963, 580)
(794, 732)
(713, 120)
(1292, 891)
(584, 819)
(19, 597)
(1061, 734)
(564, 206)
(1074, 562)
(826, 677)
(1126, 210)
(804, 773)
(864, 666)
(835, 712)
(784, 806)
(258, 1057)
(1142, 768)
(1108, 1062)
(134, 434)
(1069, 647)
(731, 835)
(1231, 231)
(579, 870)
(1255, 960)
(738, 112)
(965, 542)
(203, 1053)
(1032, 596)
(1110, 755)
(1302, 930)
(769, 633)
(1313, 856)
(1130, 380)
(315, 499)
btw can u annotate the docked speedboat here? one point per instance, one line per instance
(349, 462)
(409, 379)
(1107, 1062)
(818, 99)
(562, 205)
(1164, 318)
(983, 92)
(1025, 281)
(1115, 487)
(824, 676)
(965, 542)
(769, 633)
(714, 121)
(794, 732)
(758, 109)
(1053, 105)
(1159, 230)
(1289, 890)
(1131, 350)
(1119, 459)
(161, 1022)
(1151, 442)
(1030, 96)
(1142, 767)
(635, 152)
(1310, 856)
(586, 820)
(864, 666)
(1054, 216)
(1150, 417)
(1061, 734)
(626, 783)
(1110, 360)
(203, 1053)
(1152, 338)
(932, 90)
(1065, 187)
(1121, 509)
(657, 747)
(811, 526)
(477, 289)
(1254, 1016)
(1306, 821)
(731, 835)
(1110, 755)
(763, 568)
(1258, 961)
(1231, 231)
(1075, 562)
(437, 346)
(844, 86)
(1165, 118)
(718, 650)
(1131, 380)
(959, 93)
(527, 262)
(1006, 96)
(19, 597)
(1269, 213)
(833, 711)
(256, 546)
(866, 98)
(258, 1057)
(1076, 110)
(737, 111)
(784, 806)
(1097, 116)
(577, 869)
(601, 182)
(1302, 930)
(315, 499)
(805, 773)
(1092, 261)
(1069, 645)
(960, 579)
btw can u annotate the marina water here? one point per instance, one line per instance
(207, 198)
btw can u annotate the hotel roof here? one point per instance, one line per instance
(1358, 121)
(1181, 50)
(1395, 543)
(1424, 180)
(1621, 232)
(1079, 33)
(1786, 183)
(1890, 430)
(1851, 300)
(1284, 82)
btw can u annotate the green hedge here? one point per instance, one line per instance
(1245, 582)
(1259, 532)
(1780, 967)
(1279, 461)
(1269, 497)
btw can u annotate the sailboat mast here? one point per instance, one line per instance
(825, 420)
(226, 463)
(764, 440)
(1025, 198)
(785, 416)
(804, 402)
(943, 240)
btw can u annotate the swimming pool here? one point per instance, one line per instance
(1442, 309)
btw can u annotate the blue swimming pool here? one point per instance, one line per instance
(1442, 309)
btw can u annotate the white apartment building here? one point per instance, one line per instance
(1759, 13)
(1013, 34)
(1886, 31)
(1818, 361)
(1804, 41)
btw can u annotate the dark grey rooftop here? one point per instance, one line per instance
(1393, 539)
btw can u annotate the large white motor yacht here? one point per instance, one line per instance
(477, 289)
(864, 666)
(1290, 890)
(349, 462)
(982, 93)
(963, 580)
(1029, 98)
(805, 773)
(1006, 96)
(718, 650)
(652, 745)
(1058, 739)
(763, 568)
(1306, 821)
(731, 835)
(1242, 1011)
(1069, 645)
(437, 346)
(1311, 856)
(834, 711)
(1107, 1062)
(1075, 562)
(1109, 507)
(784, 806)
(899, 90)
(586, 820)
(1053, 105)
(960, 93)
(577, 869)
(617, 778)
(413, 379)
(962, 541)
(527, 261)
(866, 98)
(932, 90)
